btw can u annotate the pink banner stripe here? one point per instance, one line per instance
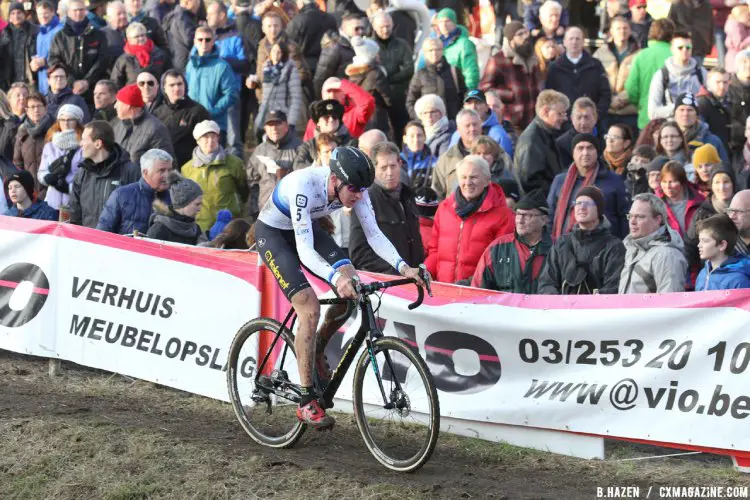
(11, 284)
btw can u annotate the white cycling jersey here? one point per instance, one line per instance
(301, 197)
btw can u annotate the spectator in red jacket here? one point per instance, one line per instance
(359, 105)
(466, 222)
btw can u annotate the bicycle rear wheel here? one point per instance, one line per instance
(401, 434)
(265, 410)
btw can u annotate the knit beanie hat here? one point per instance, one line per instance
(365, 50)
(686, 99)
(65, 140)
(511, 29)
(534, 200)
(657, 164)
(70, 111)
(447, 13)
(25, 178)
(510, 188)
(728, 171)
(595, 194)
(15, 6)
(706, 154)
(182, 191)
(427, 202)
(585, 138)
(223, 218)
(131, 95)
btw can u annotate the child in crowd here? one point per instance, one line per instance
(723, 270)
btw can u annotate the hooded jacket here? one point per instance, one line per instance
(129, 207)
(440, 79)
(585, 79)
(681, 80)
(168, 225)
(456, 245)
(492, 128)
(38, 210)
(94, 183)
(583, 261)
(654, 263)
(142, 133)
(733, 273)
(461, 53)
(211, 82)
(85, 54)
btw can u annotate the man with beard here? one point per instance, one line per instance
(513, 73)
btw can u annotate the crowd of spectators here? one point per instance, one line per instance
(596, 149)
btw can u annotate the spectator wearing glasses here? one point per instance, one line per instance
(149, 87)
(141, 54)
(336, 57)
(60, 94)
(654, 258)
(697, 18)
(104, 100)
(739, 212)
(135, 129)
(618, 149)
(512, 263)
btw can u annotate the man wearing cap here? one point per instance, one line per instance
(589, 258)
(359, 106)
(336, 57)
(512, 263)
(106, 166)
(221, 176)
(49, 25)
(180, 114)
(513, 72)
(272, 159)
(696, 131)
(136, 130)
(577, 74)
(308, 28)
(22, 42)
(491, 127)
(128, 208)
(60, 94)
(680, 74)
(327, 116)
(640, 21)
(459, 50)
(175, 222)
(86, 66)
(587, 170)
(20, 189)
(210, 79)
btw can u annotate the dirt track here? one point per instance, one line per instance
(154, 442)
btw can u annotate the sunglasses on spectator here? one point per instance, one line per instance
(150, 83)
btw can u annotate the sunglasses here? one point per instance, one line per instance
(150, 83)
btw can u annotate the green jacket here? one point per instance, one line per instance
(224, 185)
(500, 265)
(647, 63)
(462, 54)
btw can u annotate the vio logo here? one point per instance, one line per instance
(23, 291)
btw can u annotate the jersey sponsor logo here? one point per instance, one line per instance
(332, 255)
(284, 284)
(301, 201)
(316, 209)
(302, 231)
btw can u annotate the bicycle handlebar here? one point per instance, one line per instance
(370, 288)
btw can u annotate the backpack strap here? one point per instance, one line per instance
(646, 277)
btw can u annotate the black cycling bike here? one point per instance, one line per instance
(394, 398)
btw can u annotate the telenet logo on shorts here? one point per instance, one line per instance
(284, 284)
(24, 289)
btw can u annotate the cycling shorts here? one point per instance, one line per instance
(278, 249)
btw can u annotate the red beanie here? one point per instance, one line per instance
(633, 3)
(131, 95)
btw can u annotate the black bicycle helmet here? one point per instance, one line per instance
(352, 166)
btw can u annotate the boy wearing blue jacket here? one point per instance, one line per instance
(723, 270)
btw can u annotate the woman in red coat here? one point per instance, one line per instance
(467, 222)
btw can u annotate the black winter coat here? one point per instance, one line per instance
(180, 119)
(716, 115)
(115, 45)
(307, 29)
(583, 260)
(153, 31)
(585, 79)
(397, 58)
(85, 55)
(738, 97)
(179, 28)
(127, 67)
(6, 70)
(437, 79)
(399, 222)
(94, 182)
(332, 62)
(8, 131)
(697, 18)
(66, 96)
(23, 46)
(537, 158)
(251, 31)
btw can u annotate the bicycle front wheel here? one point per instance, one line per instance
(266, 409)
(402, 430)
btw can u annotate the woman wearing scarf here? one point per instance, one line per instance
(618, 148)
(176, 222)
(438, 129)
(30, 140)
(61, 155)
(221, 176)
(416, 156)
(681, 197)
(282, 87)
(466, 222)
(140, 55)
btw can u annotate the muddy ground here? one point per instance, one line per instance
(90, 434)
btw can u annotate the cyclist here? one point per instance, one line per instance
(288, 237)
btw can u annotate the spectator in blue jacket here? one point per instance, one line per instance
(210, 79)
(129, 207)
(20, 188)
(416, 156)
(723, 270)
(49, 25)
(491, 126)
(233, 50)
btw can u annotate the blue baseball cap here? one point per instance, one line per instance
(475, 94)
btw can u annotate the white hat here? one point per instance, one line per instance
(365, 50)
(70, 111)
(204, 128)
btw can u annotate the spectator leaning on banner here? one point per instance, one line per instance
(128, 208)
(587, 259)
(136, 130)
(175, 222)
(654, 258)
(512, 263)
(106, 166)
(723, 270)
(20, 188)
